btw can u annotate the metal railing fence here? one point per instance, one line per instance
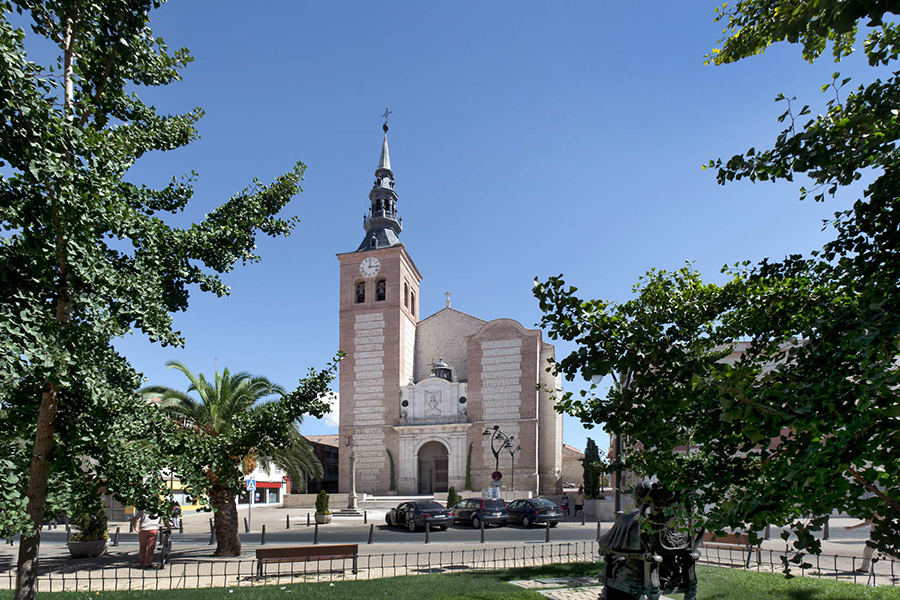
(881, 571)
(187, 573)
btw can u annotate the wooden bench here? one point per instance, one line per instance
(283, 554)
(732, 541)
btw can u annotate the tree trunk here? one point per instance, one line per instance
(26, 577)
(228, 543)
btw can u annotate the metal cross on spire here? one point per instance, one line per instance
(387, 113)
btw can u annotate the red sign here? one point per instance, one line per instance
(496, 475)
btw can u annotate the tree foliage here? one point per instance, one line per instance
(778, 388)
(86, 254)
(593, 467)
(232, 423)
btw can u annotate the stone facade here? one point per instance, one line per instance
(421, 394)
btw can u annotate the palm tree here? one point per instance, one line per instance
(213, 409)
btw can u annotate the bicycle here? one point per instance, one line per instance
(165, 546)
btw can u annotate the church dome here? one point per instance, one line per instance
(442, 370)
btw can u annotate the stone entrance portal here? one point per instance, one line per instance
(433, 475)
(432, 458)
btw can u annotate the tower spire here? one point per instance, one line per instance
(382, 224)
(385, 161)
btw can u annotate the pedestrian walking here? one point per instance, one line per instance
(176, 516)
(579, 499)
(148, 529)
(564, 504)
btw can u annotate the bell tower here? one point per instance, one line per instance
(379, 295)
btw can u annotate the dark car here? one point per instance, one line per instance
(413, 515)
(482, 510)
(534, 510)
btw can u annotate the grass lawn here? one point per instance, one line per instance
(733, 584)
(715, 584)
(486, 586)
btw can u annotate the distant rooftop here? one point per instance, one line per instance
(325, 440)
(569, 448)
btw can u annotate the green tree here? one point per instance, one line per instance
(802, 417)
(468, 482)
(86, 255)
(213, 411)
(392, 485)
(594, 467)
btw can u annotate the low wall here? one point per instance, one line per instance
(335, 501)
(605, 508)
(338, 501)
(508, 496)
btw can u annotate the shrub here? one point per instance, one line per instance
(322, 503)
(453, 498)
(89, 526)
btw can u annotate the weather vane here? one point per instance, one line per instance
(387, 113)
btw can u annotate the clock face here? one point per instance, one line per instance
(369, 267)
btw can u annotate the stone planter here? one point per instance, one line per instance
(323, 519)
(88, 549)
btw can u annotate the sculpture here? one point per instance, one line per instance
(644, 557)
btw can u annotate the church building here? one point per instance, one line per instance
(420, 399)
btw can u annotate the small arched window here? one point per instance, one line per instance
(380, 290)
(360, 292)
(412, 302)
(405, 294)
(373, 241)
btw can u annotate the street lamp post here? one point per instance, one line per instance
(512, 456)
(617, 472)
(623, 382)
(505, 441)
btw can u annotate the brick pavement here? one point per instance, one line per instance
(578, 588)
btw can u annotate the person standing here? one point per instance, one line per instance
(868, 551)
(564, 504)
(148, 529)
(579, 499)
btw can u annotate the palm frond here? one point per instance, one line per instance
(212, 407)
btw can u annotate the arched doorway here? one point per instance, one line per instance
(433, 466)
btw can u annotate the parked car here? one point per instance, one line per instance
(413, 515)
(534, 510)
(481, 510)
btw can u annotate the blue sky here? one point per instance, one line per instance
(527, 139)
